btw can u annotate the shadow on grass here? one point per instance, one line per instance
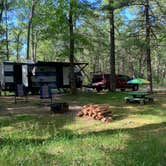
(13, 115)
(67, 134)
(55, 120)
(145, 145)
(21, 141)
(11, 120)
(2, 108)
(145, 128)
(123, 111)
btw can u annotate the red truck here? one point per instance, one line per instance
(102, 81)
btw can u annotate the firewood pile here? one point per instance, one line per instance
(97, 112)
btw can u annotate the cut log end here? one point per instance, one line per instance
(80, 114)
(97, 112)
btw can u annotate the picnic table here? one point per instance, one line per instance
(139, 97)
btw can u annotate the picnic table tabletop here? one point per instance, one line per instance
(139, 93)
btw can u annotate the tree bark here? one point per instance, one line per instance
(112, 52)
(33, 43)
(35, 47)
(17, 49)
(6, 31)
(1, 10)
(29, 27)
(17, 34)
(141, 64)
(148, 53)
(71, 58)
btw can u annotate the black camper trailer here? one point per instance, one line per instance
(54, 74)
(12, 73)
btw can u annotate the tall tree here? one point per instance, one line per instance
(113, 5)
(31, 14)
(112, 50)
(17, 39)
(148, 55)
(1, 26)
(71, 56)
(6, 29)
(2, 7)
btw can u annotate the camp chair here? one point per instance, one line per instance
(45, 92)
(20, 92)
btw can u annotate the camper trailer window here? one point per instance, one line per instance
(8, 67)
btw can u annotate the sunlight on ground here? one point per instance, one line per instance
(20, 108)
(30, 134)
(7, 129)
(54, 149)
(125, 116)
(163, 105)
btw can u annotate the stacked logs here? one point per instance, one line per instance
(98, 112)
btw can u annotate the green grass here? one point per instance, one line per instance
(136, 137)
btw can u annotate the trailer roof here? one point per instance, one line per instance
(46, 63)
(15, 63)
(59, 63)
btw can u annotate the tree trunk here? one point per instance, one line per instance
(97, 68)
(112, 51)
(33, 43)
(6, 32)
(18, 45)
(142, 61)
(35, 51)
(71, 58)
(123, 64)
(148, 56)
(158, 73)
(1, 10)
(28, 38)
(29, 27)
(131, 66)
(35, 48)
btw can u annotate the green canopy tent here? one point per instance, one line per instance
(138, 81)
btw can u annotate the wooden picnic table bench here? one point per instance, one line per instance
(134, 100)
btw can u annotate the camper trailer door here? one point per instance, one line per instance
(66, 74)
(25, 75)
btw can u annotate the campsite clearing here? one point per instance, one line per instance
(30, 134)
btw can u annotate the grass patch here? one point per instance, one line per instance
(136, 136)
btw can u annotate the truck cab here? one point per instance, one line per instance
(102, 81)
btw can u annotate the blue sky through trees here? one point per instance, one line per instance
(125, 14)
